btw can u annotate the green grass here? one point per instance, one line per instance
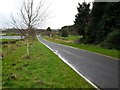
(71, 37)
(92, 48)
(7, 40)
(42, 69)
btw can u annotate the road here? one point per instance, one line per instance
(100, 71)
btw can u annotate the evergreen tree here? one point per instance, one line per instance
(108, 22)
(96, 16)
(82, 18)
(105, 18)
(101, 24)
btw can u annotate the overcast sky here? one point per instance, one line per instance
(62, 12)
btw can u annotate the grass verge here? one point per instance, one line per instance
(70, 41)
(42, 69)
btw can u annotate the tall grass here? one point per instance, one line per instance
(42, 69)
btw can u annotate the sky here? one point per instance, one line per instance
(62, 12)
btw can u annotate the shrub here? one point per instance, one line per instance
(49, 29)
(113, 40)
(64, 33)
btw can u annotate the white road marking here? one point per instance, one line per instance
(85, 50)
(65, 61)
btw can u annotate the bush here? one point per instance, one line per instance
(64, 33)
(113, 40)
(49, 29)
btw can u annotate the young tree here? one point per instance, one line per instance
(29, 17)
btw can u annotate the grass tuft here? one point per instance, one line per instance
(27, 57)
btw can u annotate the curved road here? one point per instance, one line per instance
(99, 70)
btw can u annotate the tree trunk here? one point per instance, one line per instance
(28, 51)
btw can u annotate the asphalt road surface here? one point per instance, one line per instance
(99, 70)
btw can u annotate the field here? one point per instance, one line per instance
(71, 41)
(42, 69)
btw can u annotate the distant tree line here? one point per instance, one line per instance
(99, 25)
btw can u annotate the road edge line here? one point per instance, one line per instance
(70, 66)
(85, 50)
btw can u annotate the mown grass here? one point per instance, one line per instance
(42, 69)
(92, 48)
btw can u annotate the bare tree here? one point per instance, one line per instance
(29, 17)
